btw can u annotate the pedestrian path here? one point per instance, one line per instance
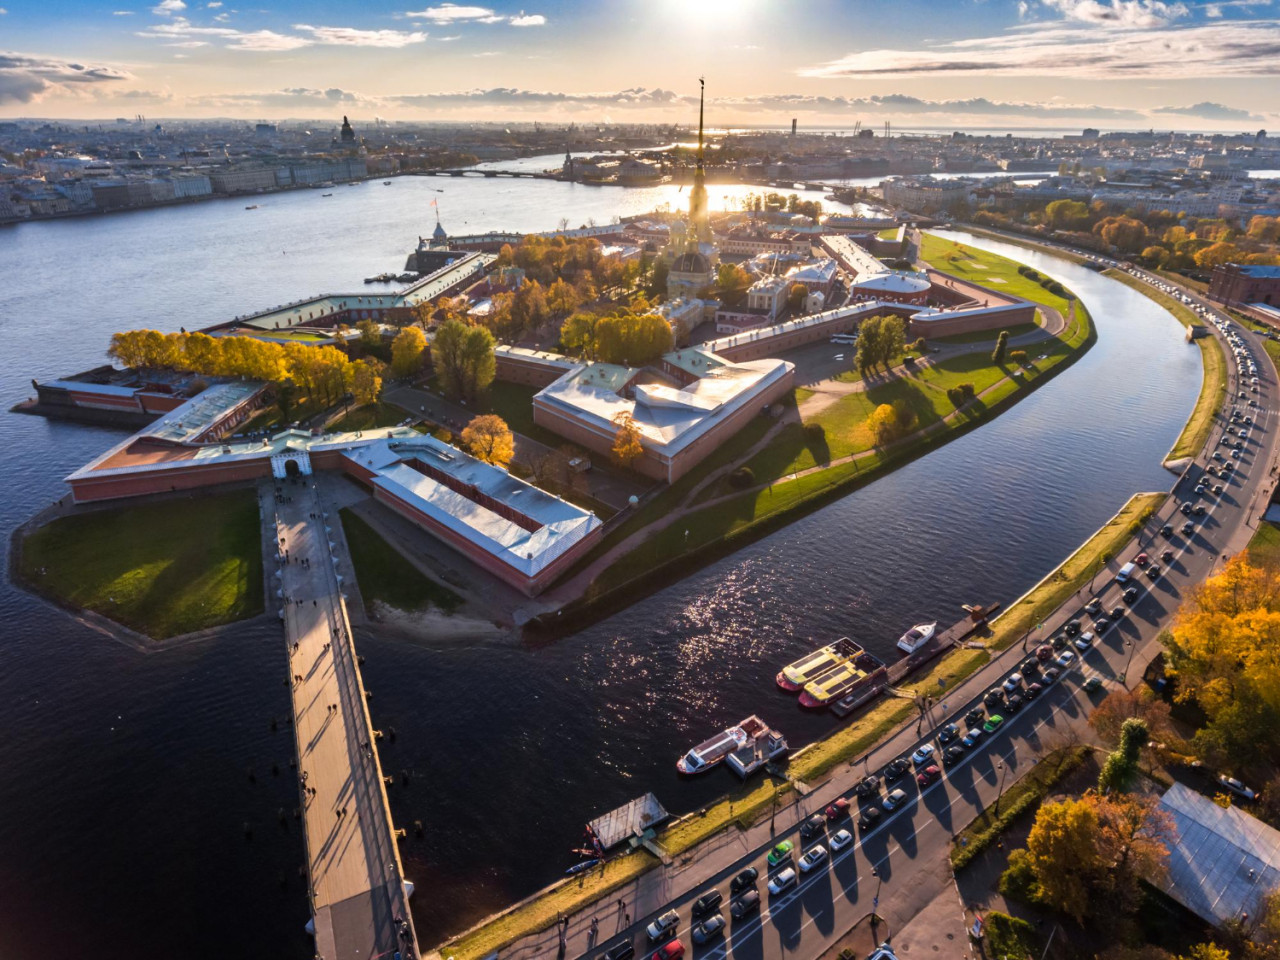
(359, 904)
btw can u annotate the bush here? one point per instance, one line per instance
(742, 478)
(1019, 357)
(1018, 882)
(1009, 937)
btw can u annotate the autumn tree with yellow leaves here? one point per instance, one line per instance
(627, 448)
(488, 438)
(1224, 649)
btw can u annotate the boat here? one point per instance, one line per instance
(252, 206)
(711, 752)
(763, 746)
(579, 867)
(917, 637)
(796, 674)
(326, 194)
(386, 183)
(856, 674)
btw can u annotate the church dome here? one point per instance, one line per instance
(691, 262)
(439, 233)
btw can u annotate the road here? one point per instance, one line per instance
(902, 862)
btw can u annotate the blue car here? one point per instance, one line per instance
(972, 737)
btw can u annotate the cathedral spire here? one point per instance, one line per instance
(699, 220)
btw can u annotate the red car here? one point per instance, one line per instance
(1141, 559)
(1044, 652)
(669, 951)
(839, 808)
(930, 774)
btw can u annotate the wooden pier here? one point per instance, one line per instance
(359, 903)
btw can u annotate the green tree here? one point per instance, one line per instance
(1002, 342)
(892, 341)
(632, 340)
(578, 333)
(1067, 214)
(868, 352)
(370, 334)
(1122, 763)
(477, 362)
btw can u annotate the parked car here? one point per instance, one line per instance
(953, 754)
(1034, 690)
(841, 839)
(1101, 625)
(1052, 674)
(1093, 685)
(948, 733)
(663, 926)
(1073, 627)
(1131, 595)
(747, 878)
(623, 951)
(708, 902)
(1094, 606)
(923, 754)
(815, 825)
(867, 787)
(749, 902)
(1012, 683)
(928, 775)
(708, 929)
(896, 768)
(1084, 641)
(1030, 668)
(1066, 658)
(993, 723)
(1014, 703)
(815, 856)
(782, 880)
(972, 737)
(1044, 652)
(1236, 787)
(669, 951)
(1117, 613)
(994, 697)
(975, 716)
(869, 819)
(1153, 571)
(894, 800)
(838, 808)
(781, 853)
(1060, 641)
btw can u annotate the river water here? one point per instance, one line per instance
(126, 787)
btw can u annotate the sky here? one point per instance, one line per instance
(1052, 64)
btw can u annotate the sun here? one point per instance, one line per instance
(710, 14)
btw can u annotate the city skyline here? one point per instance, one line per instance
(994, 64)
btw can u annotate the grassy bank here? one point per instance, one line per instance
(1029, 243)
(162, 569)
(1214, 385)
(384, 575)
(1264, 548)
(1024, 794)
(819, 759)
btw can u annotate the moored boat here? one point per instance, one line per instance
(917, 637)
(812, 666)
(852, 677)
(711, 752)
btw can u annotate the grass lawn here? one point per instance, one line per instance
(1011, 938)
(983, 268)
(984, 336)
(1264, 548)
(385, 575)
(301, 336)
(889, 233)
(162, 569)
(1212, 387)
(369, 416)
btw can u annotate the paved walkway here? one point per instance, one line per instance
(359, 906)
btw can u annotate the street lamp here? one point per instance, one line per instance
(1000, 793)
(1132, 647)
(875, 901)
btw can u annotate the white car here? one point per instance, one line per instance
(1012, 683)
(1066, 658)
(1084, 641)
(814, 857)
(923, 755)
(780, 881)
(894, 800)
(664, 925)
(840, 839)
(1236, 787)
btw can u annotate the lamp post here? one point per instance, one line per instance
(1000, 793)
(1125, 673)
(875, 901)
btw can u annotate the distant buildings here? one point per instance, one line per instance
(1235, 283)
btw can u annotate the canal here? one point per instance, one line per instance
(127, 789)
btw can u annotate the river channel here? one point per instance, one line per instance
(126, 791)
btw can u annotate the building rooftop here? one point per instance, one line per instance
(856, 258)
(668, 417)
(1223, 860)
(1257, 271)
(890, 282)
(193, 419)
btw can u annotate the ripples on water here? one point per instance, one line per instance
(126, 788)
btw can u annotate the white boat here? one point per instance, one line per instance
(917, 637)
(711, 752)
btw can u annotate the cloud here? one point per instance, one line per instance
(181, 29)
(1212, 10)
(191, 44)
(166, 8)
(487, 53)
(214, 5)
(531, 20)
(1241, 48)
(1211, 111)
(351, 37)
(1120, 13)
(288, 99)
(450, 12)
(25, 78)
(456, 36)
(122, 13)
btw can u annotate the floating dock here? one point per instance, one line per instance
(633, 819)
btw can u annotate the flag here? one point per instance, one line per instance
(433, 202)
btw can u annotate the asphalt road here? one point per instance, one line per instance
(901, 863)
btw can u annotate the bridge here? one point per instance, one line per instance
(473, 173)
(359, 902)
